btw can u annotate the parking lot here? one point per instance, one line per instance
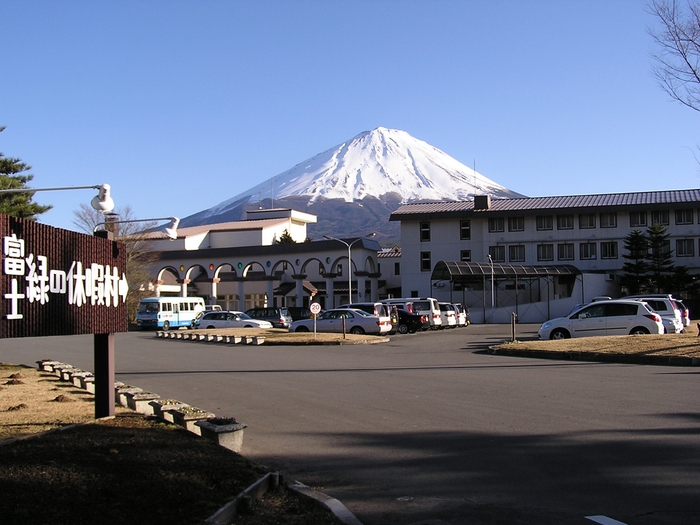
(425, 427)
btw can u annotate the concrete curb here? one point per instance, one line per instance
(597, 357)
(258, 340)
(335, 506)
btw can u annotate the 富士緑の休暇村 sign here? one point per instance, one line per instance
(59, 282)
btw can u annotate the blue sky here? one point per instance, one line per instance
(180, 105)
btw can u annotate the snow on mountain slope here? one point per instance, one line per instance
(374, 163)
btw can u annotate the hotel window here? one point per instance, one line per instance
(425, 265)
(685, 247)
(516, 253)
(497, 253)
(565, 222)
(397, 268)
(545, 252)
(587, 251)
(684, 216)
(465, 255)
(544, 222)
(516, 224)
(496, 225)
(639, 218)
(608, 250)
(424, 231)
(608, 220)
(565, 252)
(465, 229)
(586, 221)
(659, 217)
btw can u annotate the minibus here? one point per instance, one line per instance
(168, 312)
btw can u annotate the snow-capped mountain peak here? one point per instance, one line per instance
(372, 164)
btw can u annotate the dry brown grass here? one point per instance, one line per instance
(668, 345)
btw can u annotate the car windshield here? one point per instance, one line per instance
(241, 315)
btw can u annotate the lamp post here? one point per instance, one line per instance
(101, 202)
(492, 292)
(349, 245)
(170, 230)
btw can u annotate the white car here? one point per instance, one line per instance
(448, 315)
(354, 321)
(617, 317)
(230, 319)
(665, 306)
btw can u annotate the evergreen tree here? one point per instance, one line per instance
(13, 176)
(286, 238)
(659, 257)
(682, 283)
(635, 270)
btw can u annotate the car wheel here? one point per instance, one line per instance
(640, 330)
(559, 334)
(166, 325)
(403, 329)
(357, 330)
(301, 329)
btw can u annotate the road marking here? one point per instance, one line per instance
(604, 520)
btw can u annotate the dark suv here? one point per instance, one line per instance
(279, 317)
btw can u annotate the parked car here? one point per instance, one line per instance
(616, 317)
(355, 322)
(299, 312)
(463, 318)
(381, 310)
(229, 319)
(664, 305)
(685, 313)
(401, 304)
(429, 307)
(410, 323)
(279, 317)
(448, 315)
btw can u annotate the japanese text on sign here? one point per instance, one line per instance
(96, 284)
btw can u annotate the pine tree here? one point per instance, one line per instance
(659, 257)
(635, 271)
(286, 238)
(682, 283)
(13, 176)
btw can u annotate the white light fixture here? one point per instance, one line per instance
(170, 229)
(349, 245)
(102, 202)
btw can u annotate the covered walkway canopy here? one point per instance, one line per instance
(507, 283)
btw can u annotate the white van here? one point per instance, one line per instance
(168, 312)
(427, 306)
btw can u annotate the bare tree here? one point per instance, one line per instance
(677, 58)
(134, 235)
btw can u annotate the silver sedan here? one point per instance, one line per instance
(354, 321)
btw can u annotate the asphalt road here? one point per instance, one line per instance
(425, 430)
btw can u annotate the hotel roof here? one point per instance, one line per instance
(640, 200)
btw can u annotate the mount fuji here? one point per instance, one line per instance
(368, 176)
